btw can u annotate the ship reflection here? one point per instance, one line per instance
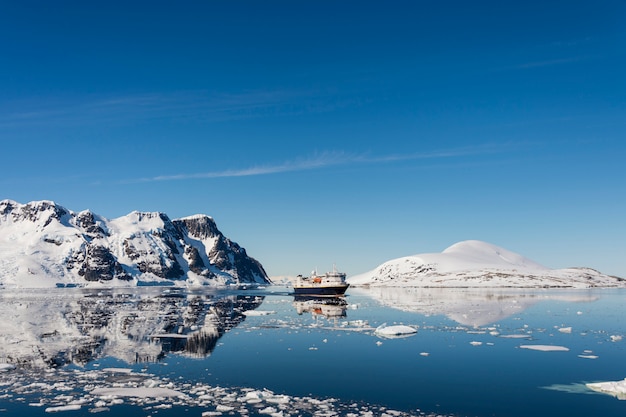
(328, 307)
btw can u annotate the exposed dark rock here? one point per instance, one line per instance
(147, 243)
(86, 220)
(100, 265)
(199, 227)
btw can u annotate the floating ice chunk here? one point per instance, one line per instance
(588, 356)
(476, 343)
(224, 408)
(4, 367)
(545, 348)
(118, 370)
(72, 407)
(145, 392)
(515, 336)
(424, 354)
(399, 330)
(279, 399)
(379, 343)
(614, 388)
(565, 329)
(616, 338)
(258, 312)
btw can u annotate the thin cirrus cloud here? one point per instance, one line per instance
(182, 106)
(328, 159)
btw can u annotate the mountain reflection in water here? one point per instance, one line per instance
(468, 306)
(54, 328)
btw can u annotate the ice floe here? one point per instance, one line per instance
(614, 388)
(252, 313)
(95, 391)
(142, 392)
(4, 367)
(71, 407)
(398, 330)
(545, 348)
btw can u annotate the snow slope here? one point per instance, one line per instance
(43, 244)
(473, 263)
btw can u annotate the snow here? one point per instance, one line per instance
(474, 263)
(39, 250)
(615, 388)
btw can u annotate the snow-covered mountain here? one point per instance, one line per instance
(43, 244)
(474, 263)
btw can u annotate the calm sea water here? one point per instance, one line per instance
(263, 352)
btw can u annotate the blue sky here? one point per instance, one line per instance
(321, 132)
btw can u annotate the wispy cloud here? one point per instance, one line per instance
(329, 159)
(550, 62)
(546, 63)
(181, 106)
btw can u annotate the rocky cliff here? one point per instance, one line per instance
(44, 244)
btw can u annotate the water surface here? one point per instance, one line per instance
(263, 352)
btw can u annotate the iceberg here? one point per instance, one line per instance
(614, 388)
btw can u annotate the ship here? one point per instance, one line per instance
(328, 284)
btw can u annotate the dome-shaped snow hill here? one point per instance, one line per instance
(474, 263)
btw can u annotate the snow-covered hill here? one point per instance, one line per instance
(42, 244)
(474, 263)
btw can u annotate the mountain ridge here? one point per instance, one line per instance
(44, 244)
(474, 263)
